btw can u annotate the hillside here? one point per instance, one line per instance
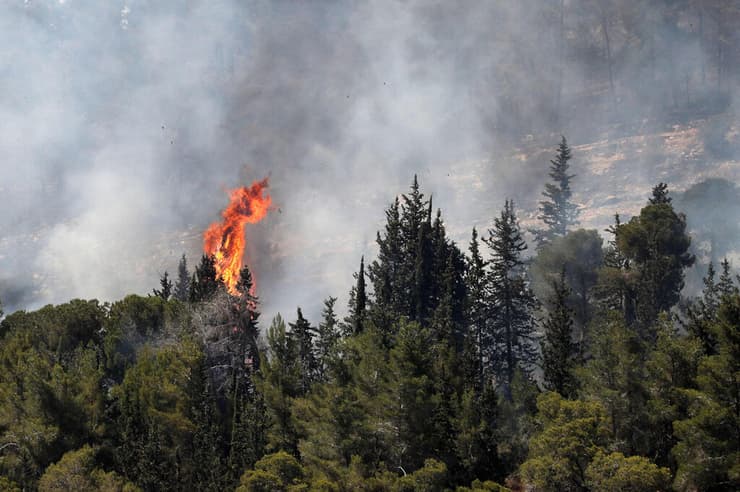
(614, 174)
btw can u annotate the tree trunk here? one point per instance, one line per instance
(701, 48)
(561, 56)
(607, 45)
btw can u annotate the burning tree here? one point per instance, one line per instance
(226, 240)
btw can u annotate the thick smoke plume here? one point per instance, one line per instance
(124, 121)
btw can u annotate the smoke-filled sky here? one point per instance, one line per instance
(122, 124)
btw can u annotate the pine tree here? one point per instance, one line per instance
(557, 211)
(182, 286)
(303, 334)
(660, 195)
(511, 303)
(657, 246)
(559, 353)
(570, 433)
(166, 285)
(613, 257)
(580, 255)
(616, 287)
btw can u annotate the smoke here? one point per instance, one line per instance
(124, 122)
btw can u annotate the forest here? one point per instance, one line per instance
(536, 354)
(577, 366)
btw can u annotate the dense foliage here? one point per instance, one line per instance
(572, 369)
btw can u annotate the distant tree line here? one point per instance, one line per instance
(574, 368)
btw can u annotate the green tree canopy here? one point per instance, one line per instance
(708, 451)
(616, 473)
(657, 244)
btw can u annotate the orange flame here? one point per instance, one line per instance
(225, 240)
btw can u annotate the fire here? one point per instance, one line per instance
(225, 240)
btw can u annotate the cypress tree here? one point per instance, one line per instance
(616, 376)
(303, 333)
(421, 289)
(703, 313)
(441, 249)
(243, 339)
(358, 313)
(559, 353)
(476, 306)
(412, 365)
(478, 434)
(448, 318)
(140, 455)
(511, 302)
(708, 451)
(357, 306)
(414, 241)
(385, 273)
(204, 465)
(205, 281)
(248, 431)
(132, 428)
(327, 338)
(280, 383)
(711, 291)
(182, 286)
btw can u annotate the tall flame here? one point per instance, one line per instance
(225, 240)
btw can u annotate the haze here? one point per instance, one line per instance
(123, 123)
